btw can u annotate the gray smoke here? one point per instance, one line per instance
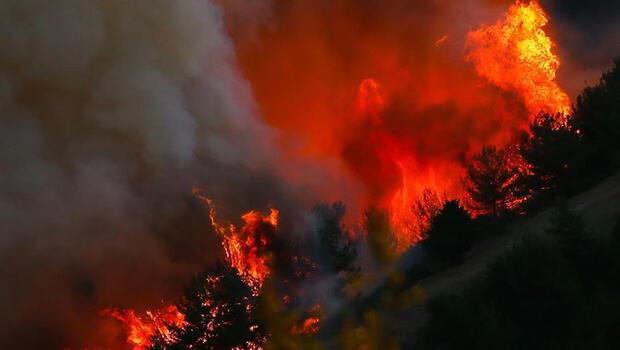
(588, 38)
(110, 111)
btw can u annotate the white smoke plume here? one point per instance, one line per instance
(110, 111)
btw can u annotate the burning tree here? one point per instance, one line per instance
(219, 314)
(492, 181)
(142, 329)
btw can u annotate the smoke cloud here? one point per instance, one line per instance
(307, 59)
(110, 112)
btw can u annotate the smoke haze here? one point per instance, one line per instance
(111, 111)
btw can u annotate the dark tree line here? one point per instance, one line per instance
(540, 295)
(223, 312)
(556, 158)
(560, 293)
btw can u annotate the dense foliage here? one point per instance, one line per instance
(491, 181)
(218, 308)
(451, 233)
(547, 293)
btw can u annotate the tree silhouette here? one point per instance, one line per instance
(597, 113)
(451, 233)
(552, 152)
(218, 309)
(492, 181)
(338, 251)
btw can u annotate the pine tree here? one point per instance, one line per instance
(218, 309)
(492, 181)
(552, 152)
(451, 233)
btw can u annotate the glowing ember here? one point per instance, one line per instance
(141, 329)
(310, 324)
(516, 55)
(441, 41)
(308, 327)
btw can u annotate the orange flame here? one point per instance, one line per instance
(246, 248)
(141, 329)
(308, 327)
(310, 324)
(413, 203)
(517, 55)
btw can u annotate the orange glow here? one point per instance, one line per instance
(442, 40)
(141, 329)
(416, 196)
(308, 327)
(390, 106)
(310, 324)
(517, 55)
(247, 248)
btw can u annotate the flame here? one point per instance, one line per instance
(370, 100)
(517, 55)
(416, 198)
(246, 248)
(141, 329)
(309, 326)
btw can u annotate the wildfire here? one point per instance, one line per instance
(517, 55)
(246, 248)
(246, 251)
(416, 198)
(141, 329)
(309, 326)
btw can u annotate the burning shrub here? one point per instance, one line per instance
(141, 330)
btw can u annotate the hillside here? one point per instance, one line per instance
(599, 207)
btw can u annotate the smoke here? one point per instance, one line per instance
(588, 39)
(110, 112)
(306, 61)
